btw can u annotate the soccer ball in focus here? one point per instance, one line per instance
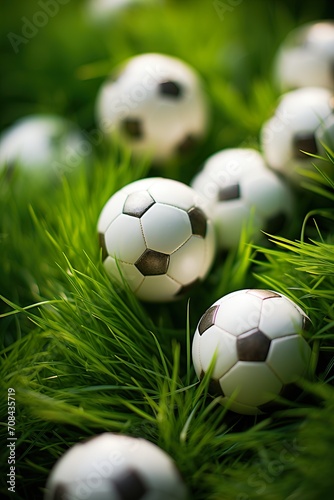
(43, 145)
(240, 191)
(156, 105)
(306, 57)
(115, 467)
(254, 338)
(156, 233)
(292, 129)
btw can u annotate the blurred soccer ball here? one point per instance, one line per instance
(115, 467)
(156, 105)
(306, 57)
(241, 191)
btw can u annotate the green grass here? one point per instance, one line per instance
(83, 355)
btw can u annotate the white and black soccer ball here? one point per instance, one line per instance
(156, 105)
(291, 131)
(254, 338)
(157, 234)
(43, 144)
(306, 57)
(240, 191)
(115, 467)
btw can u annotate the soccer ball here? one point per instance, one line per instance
(44, 145)
(154, 104)
(155, 232)
(115, 467)
(254, 339)
(292, 130)
(306, 57)
(240, 190)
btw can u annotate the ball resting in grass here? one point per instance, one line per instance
(306, 57)
(156, 105)
(44, 146)
(156, 233)
(290, 133)
(115, 467)
(254, 338)
(241, 192)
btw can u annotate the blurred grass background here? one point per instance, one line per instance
(94, 359)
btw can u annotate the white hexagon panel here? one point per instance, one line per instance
(162, 229)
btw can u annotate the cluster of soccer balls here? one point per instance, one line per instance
(251, 343)
(159, 238)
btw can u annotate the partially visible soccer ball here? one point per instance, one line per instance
(156, 105)
(254, 339)
(157, 234)
(115, 467)
(291, 130)
(43, 145)
(306, 57)
(240, 190)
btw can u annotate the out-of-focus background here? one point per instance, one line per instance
(56, 54)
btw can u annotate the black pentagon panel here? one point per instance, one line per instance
(227, 193)
(214, 388)
(184, 290)
(152, 263)
(289, 392)
(187, 144)
(102, 243)
(170, 89)
(60, 492)
(208, 319)
(138, 203)
(130, 485)
(304, 142)
(253, 346)
(198, 221)
(132, 127)
(276, 223)
(270, 407)
(263, 294)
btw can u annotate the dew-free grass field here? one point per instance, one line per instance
(84, 356)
